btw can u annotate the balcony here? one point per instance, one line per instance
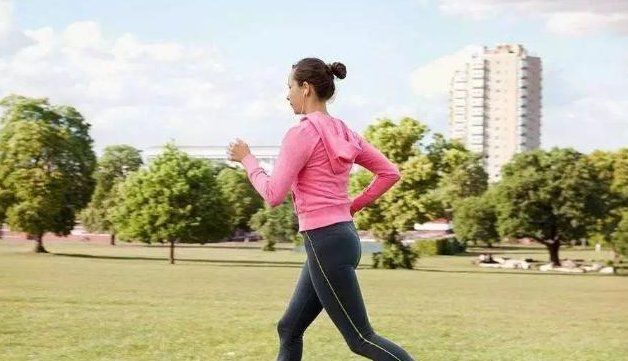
(477, 74)
(477, 103)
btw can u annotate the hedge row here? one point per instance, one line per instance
(442, 246)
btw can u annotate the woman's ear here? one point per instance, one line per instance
(306, 88)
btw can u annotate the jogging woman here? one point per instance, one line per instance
(314, 162)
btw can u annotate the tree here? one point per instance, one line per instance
(612, 169)
(175, 200)
(398, 142)
(391, 213)
(114, 166)
(46, 166)
(619, 237)
(549, 196)
(433, 177)
(400, 207)
(276, 224)
(475, 219)
(240, 195)
(456, 182)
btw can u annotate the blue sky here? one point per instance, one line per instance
(145, 72)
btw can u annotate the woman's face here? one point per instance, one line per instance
(296, 95)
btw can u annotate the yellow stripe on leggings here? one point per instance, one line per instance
(340, 303)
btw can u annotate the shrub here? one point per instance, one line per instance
(441, 246)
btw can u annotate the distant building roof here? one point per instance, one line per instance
(439, 224)
(266, 154)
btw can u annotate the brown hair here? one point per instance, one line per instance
(319, 74)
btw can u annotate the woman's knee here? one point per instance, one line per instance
(287, 330)
(283, 328)
(357, 345)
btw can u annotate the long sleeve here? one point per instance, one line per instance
(386, 175)
(294, 153)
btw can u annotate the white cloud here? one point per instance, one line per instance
(432, 79)
(578, 23)
(567, 17)
(587, 123)
(430, 85)
(83, 35)
(10, 38)
(6, 19)
(142, 93)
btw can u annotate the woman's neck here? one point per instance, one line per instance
(316, 107)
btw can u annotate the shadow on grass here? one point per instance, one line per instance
(164, 259)
(497, 248)
(474, 252)
(214, 245)
(293, 264)
(521, 272)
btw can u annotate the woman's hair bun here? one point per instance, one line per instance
(338, 69)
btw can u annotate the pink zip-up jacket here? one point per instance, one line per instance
(314, 162)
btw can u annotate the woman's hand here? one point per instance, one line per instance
(238, 149)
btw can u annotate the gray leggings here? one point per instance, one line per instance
(328, 281)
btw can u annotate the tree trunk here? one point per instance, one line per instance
(39, 244)
(112, 240)
(616, 258)
(172, 251)
(553, 248)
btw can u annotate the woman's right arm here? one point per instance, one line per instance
(386, 175)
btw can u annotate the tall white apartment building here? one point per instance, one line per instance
(495, 105)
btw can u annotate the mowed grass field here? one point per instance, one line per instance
(97, 302)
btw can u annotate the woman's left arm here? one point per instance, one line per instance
(294, 153)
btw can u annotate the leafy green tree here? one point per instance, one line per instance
(114, 166)
(390, 214)
(400, 207)
(461, 175)
(276, 224)
(398, 142)
(475, 219)
(446, 155)
(395, 255)
(240, 195)
(619, 237)
(433, 177)
(612, 169)
(176, 199)
(549, 196)
(46, 166)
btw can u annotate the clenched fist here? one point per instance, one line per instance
(238, 149)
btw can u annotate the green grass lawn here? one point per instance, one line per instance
(97, 302)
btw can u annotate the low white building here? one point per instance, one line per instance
(436, 225)
(437, 228)
(266, 154)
